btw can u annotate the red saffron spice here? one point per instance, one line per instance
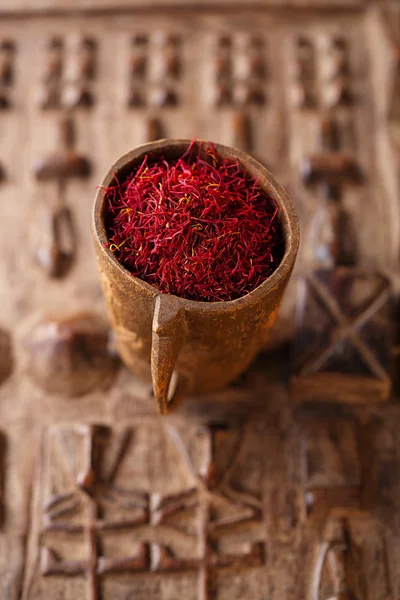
(198, 226)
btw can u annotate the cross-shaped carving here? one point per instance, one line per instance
(333, 236)
(322, 69)
(343, 341)
(90, 491)
(331, 165)
(211, 486)
(86, 509)
(65, 163)
(58, 241)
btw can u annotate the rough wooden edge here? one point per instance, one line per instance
(25, 7)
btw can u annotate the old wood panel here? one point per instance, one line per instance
(243, 494)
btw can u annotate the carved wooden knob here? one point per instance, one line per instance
(70, 356)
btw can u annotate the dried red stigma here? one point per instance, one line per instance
(198, 226)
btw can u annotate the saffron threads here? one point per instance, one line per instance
(198, 226)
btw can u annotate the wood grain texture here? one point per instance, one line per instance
(344, 339)
(55, 6)
(244, 494)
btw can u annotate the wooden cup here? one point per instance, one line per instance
(185, 346)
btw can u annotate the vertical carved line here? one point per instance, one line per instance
(242, 132)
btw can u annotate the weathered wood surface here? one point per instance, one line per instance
(248, 493)
(110, 6)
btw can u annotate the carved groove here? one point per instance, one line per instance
(348, 367)
(94, 507)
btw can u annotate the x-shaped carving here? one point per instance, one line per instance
(211, 485)
(346, 329)
(91, 490)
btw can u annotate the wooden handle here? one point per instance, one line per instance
(169, 333)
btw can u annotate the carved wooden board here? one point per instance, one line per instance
(286, 485)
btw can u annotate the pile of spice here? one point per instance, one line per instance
(198, 226)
